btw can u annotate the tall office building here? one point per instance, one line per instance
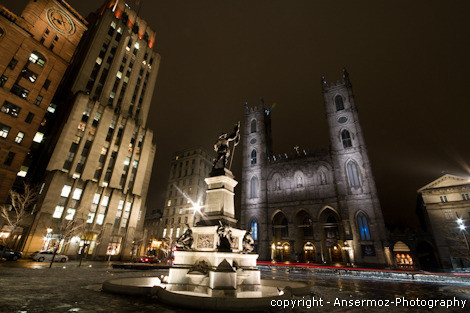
(35, 50)
(101, 152)
(186, 190)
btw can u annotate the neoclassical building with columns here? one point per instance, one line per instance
(319, 207)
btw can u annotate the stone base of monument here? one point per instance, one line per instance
(216, 274)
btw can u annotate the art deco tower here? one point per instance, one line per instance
(102, 156)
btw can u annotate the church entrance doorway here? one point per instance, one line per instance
(332, 237)
(309, 253)
(335, 253)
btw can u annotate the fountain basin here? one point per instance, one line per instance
(245, 300)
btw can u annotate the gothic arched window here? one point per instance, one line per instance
(253, 157)
(277, 184)
(253, 126)
(353, 174)
(254, 188)
(299, 180)
(254, 229)
(346, 138)
(339, 103)
(323, 178)
(363, 226)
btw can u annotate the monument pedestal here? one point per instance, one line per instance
(215, 264)
(220, 199)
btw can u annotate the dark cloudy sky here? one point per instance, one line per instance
(408, 62)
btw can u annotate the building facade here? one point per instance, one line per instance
(313, 207)
(100, 152)
(35, 51)
(186, 190)
(445, 213)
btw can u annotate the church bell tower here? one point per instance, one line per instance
(257, 148)
(362, 218)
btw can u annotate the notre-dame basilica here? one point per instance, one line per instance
(321, 207)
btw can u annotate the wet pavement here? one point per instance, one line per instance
(32, 287)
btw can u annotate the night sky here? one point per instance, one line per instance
(408, 62)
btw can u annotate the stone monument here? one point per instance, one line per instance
(215, 258)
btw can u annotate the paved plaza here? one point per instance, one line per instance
(32, 287)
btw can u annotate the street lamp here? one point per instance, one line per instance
(462, 227)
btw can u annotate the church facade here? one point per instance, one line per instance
(317, 207)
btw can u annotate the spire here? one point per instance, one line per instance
(346, 80)
(324, 84)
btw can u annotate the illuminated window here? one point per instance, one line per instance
(96, 198)
(37, 58)
(70, 214)
(66, 191)
(4, 130)
(58, 211)
(29, 75)
(19, 91)
(363, 226)
(3, 80)
(254, 229)
(77, 193)
(164, 233)
(10, 109)
(136, 48)
(100, 219)
(23, 171)
(38, 137)
(104, 201)
(178, 232)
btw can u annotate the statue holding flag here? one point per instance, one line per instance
(222, 146)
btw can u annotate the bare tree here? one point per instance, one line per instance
(19, 210)
(458, 242)
(88, 236)
(66, 230)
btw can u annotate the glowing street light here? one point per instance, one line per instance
(462, 227)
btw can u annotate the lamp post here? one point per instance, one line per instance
(462, 228)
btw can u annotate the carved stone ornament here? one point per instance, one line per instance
(205, 241)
